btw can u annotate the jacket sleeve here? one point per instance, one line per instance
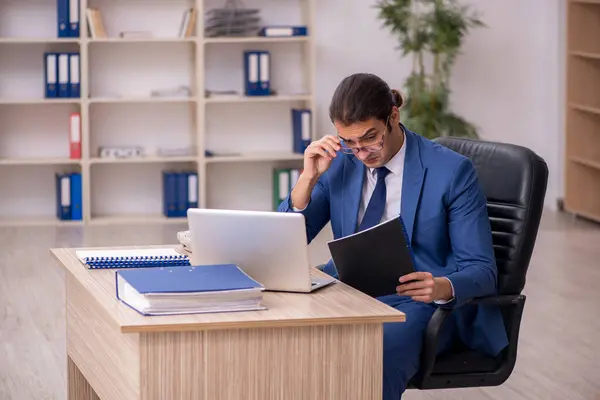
(470, 237)
(316, 213)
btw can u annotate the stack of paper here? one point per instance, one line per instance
(185, 290)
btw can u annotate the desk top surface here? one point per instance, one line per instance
(335, 304)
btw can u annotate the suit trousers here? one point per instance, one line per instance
(403, 341)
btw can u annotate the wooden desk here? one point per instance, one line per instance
(324, 345)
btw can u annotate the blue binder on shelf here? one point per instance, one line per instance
(73, 18)
(51, 74)
(169, 194)
(63, 75)
(192, 190)
(182, 194)
(62, 12)
(257, 73)
(63, 196)
(76, 197)
(283, 31)
(301, 129)
(74, 75)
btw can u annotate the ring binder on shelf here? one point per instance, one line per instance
(132, 258)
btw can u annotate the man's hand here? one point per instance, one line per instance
(319, 154)
(317, 159)
(423, 287)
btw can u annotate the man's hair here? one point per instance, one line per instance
(362, 96)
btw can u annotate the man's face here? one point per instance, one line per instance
(370, 137)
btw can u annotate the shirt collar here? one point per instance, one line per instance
(396, 163)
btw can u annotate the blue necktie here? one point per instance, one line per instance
(376, 205)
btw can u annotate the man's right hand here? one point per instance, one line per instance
(318, 156)
(317, 159)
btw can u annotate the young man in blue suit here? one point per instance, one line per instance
(376, 169)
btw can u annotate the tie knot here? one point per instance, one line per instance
(382, 173)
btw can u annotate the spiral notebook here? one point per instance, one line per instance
(132, 258)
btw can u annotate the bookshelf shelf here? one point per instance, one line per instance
(582, 144)
(142, 160)
(30, 101)
(256, 40)
(143, 40)
(257, 99)
(116, 109)
(40, 40)
(254, 157)
(148, 99)
(38, 161)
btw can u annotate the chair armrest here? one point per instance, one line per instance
(439, 317)
(505, 300)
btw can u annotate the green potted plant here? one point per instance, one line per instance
(432, 31)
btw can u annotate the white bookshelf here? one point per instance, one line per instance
(116, 76)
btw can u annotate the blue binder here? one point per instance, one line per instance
(257, 73)
(51, 74)
(62, 12)
(283, 31)
(76, 197)
(63, 196)
(73, 18)
(63, 74)
(192, 190)
(182, 194)
(301, 129)
(197, 279)
(169, 194)
(74, 75)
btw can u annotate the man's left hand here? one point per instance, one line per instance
(423, 287)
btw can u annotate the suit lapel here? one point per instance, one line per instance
(412, 182)
(351, 193)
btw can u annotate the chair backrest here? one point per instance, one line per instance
(514, 180)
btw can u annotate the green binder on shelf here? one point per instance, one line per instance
(284, 180)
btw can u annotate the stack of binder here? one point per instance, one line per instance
(62, 75)
(180, 192)
(69, 199)
(186, 290)
(284, 180)
(67, 12)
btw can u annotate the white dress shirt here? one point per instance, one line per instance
(393, 185)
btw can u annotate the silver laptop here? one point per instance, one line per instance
(269, 246)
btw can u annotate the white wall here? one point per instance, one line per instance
(507, 81)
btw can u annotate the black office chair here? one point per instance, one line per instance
(514, 180)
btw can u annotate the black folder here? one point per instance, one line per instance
(374, 259)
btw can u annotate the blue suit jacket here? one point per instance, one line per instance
(446, 219)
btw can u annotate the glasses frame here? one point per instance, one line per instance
(369, 149)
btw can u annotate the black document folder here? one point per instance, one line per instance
(373, 260)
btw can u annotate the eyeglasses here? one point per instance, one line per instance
(369, 148)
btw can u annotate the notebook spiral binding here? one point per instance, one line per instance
(137, 261)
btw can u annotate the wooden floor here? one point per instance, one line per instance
(559, 350)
